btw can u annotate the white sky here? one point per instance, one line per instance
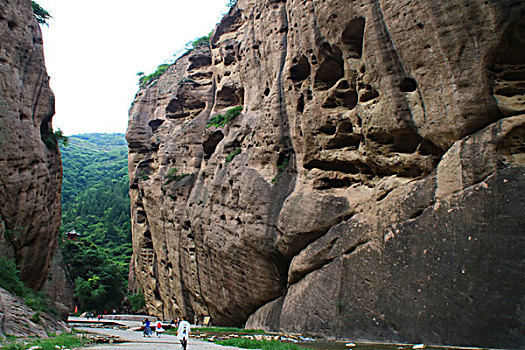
(94, 49)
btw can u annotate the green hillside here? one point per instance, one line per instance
(95, 203)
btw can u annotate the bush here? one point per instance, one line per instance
(137, 301)
(51, 139)
(221, 120)
(173, 175)
(145, 80)
(41, 15)
(280, 169)
(10, 277)
(232, 155)
(10, 281)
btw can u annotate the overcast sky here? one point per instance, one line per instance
(95, 48)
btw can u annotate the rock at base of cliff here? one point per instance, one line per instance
(18, 320)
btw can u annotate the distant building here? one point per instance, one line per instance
(72, 235)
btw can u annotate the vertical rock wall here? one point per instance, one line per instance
(370, 188)
(31, 175)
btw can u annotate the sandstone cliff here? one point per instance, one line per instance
(31, 175)
(370, 188)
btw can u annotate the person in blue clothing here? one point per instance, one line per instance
(147, 328)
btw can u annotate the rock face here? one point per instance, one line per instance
(370, 188)
(31, 174)
(16, 319)
(59, 286)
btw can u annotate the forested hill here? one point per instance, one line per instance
(95, 198)
(95, 203)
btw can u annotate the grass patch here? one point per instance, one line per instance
(145, 80)
(258, 344)
(220, 120)
(10, 280)
(229, 330)
(232, 155)
(63, 340)
(173, 175)
(280, 169)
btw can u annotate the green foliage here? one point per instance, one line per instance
(51, 139)
(99, 279)
(231, 3)
(36, 317)
(202, 41)
(10, 277)
(230, 330)
(10, 281)
(145, 80)
(95, 202)
(232, 155)
(173, 175)
(41, 15)
(280, 169)
(221, 120)
(199, 42)
(62, 341)
(258, 344)
(137, 301)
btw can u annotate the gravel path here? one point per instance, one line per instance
(135, 341)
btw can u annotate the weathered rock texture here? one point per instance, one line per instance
(16, 319)
(31, 176)
(370, 189)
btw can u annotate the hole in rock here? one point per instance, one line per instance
(330, 72)
(408, 85)
(301, 70)
(353, 37)
(300, 104)
(230, 96)
(211, 143)
(155, 124)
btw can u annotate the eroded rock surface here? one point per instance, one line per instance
(31, 176)
(18, 320)
(370, 188)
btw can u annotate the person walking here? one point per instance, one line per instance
(158, 328)
(183, 333)
(147, 328)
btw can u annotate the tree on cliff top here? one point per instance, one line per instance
(41, 15)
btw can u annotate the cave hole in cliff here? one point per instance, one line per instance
(330, 71)
(508, 71)
(408, 85)
(229, 96)
(155, 124)
(147, 242)
(337, 98)
(300, 104)
(354, 167)
(300, 70)
(141, 216)
(353, 35)
(198, 61)
(328, 183)
(210, 144)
